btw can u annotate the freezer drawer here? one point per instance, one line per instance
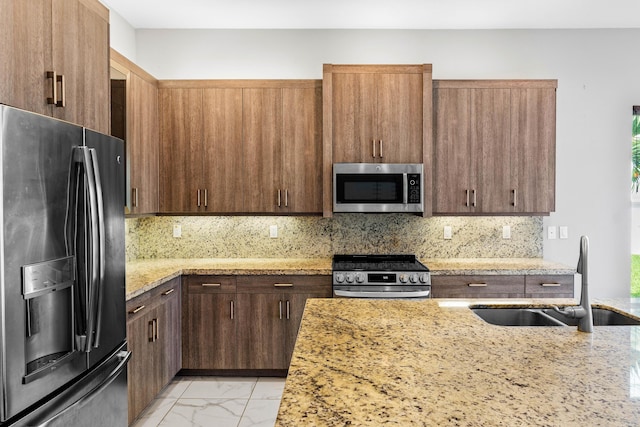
(99, 399)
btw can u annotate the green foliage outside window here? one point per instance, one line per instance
(635, 155)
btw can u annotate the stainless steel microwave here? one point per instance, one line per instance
(378, 187)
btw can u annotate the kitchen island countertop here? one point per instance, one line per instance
(145, 274)
(435, 363)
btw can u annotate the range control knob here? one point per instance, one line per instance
(413, 278)
(404, 278)
(360, 277)
(339, 277)
(349, 277)
(424, 278)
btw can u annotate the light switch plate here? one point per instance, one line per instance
(564, 232)
(177, 230)
(552, 232)
(273, 231)
(506, 231)
(447, 232)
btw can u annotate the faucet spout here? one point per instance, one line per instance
(583, 310)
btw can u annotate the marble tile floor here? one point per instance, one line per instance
(215, 402)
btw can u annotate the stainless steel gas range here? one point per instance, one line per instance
(380, 276)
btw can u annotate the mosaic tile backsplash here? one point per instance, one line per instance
(315, 237)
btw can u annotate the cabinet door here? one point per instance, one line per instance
(533, 127)
(477, 286)
(25, 54)
(170, 331)
(209, 322)
(302, 150)
(262, 118)
(261, 331)
(354, 117)
(181, 159)
(223, 149)
(142, 145)
(144, 366)
(491, 143)
(80, 52)
(399, 118)
(454, 176)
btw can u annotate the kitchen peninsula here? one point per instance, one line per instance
(428, 363)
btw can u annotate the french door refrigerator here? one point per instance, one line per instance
(62, 274)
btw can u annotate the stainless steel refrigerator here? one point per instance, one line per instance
(62, 274)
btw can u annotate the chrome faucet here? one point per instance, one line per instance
(583, 311)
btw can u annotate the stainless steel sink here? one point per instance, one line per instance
(549, 317)
(516, 317)
(601, 317)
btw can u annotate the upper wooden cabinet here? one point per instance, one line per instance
(141, 135)
(242, 146)
(494, 147)
(376, 113)
(54, 58)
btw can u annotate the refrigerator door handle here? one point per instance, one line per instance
(123, 357)
(95, 234)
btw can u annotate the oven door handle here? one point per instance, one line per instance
(385, 295)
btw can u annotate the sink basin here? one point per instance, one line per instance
(549, 317)
(516, 317)
(601, 317)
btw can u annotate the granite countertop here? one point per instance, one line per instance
(144, 275)
(433, 362)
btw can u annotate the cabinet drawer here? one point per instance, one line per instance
(280, 284)
(210, 284)
(489, 286)
(559, 286)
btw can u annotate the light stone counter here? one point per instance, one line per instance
(434, 363)
(144, 275)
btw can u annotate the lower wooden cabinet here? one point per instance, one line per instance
(154, 338)
(245, 322)
(502, 286)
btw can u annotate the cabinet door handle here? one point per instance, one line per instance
(477, 285)
(381, 149)
(168, 292)
(134, 194)
(198, 197)
(286, 198)
(283, 285)
(373, 145)
(137, 309)
(288, 310)
(155, 336)
(206, 198)
(280, 309)
(279, 198)
(550, 285)
(211, 285)
(62, 102)
(151, 329)
(54, 87)
(233, 310)
(466, 197)
(515, 197)
(473, 191)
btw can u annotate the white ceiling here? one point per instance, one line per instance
(378, 14)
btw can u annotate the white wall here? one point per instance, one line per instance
(122, 36)
(597, 85)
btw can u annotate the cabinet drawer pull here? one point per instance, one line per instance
(477, 285)
(168, 292)
(283, 285)
(550, 285)
(137, 309)
(211, 285)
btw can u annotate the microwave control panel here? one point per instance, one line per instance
(413, 181)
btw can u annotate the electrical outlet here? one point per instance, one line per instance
(552, 232)
(447, 232)
(273, 231)
(506, 231)
(177, 230)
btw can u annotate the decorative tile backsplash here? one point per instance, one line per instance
(315, 237)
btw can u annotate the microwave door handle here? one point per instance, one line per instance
(405, 189)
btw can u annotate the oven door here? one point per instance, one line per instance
(383, 292)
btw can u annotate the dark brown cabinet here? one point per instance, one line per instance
(245, 322)
(502, 286)
(54, 58)
(154, 338)
(494, 145)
